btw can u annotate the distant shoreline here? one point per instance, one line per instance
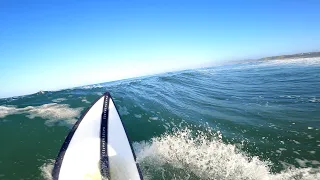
(293, 56)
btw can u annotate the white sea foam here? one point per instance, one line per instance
(46, 169)
(207, 71)
(153, 118)
(297, 142)
(85, 100)
(91, 86)
(59, 100)
(123, 110)
(181, 156)
(280, 150)
(296, 152)
(60, 114)
(286, 165)
(302, 162)
(314, 162)
(7, 110)
(310, 137)
(314, 99)
(312, 152)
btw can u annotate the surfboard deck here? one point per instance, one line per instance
(97, 147)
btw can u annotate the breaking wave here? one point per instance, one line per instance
(182, 155)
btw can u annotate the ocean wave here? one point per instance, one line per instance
(182, 156)
(55, 114)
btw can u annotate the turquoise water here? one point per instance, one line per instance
(250, 120)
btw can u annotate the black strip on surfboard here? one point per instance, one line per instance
(104, 161)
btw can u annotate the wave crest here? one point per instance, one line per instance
(182, 155)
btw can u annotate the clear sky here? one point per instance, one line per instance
(49, 45)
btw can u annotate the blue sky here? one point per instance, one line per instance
(49, 45)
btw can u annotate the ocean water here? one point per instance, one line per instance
(250, 120)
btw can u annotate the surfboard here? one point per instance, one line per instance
(97, 147)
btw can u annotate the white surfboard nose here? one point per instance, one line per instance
(97, 147)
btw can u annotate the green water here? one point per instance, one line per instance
(252, 120)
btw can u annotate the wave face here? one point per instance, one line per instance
(251, 120)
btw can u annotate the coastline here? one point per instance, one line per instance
(293, 56)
